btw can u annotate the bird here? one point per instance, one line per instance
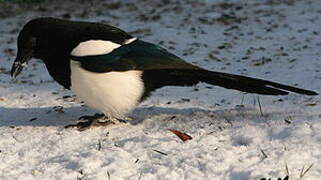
(113, 71)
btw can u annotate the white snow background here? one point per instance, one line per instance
(232, 139)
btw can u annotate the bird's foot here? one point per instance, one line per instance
(124, 119)
(92, 121)
(95, 116)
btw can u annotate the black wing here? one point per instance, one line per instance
(162, 68)
(138, 55)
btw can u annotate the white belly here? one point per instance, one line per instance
(112, 93)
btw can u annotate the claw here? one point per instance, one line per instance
(92, 121)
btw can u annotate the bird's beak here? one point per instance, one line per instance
(20, 62)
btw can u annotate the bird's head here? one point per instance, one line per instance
(26, 49)
(52, 40)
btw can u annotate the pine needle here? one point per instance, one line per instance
(303, 172)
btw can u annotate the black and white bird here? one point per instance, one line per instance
(112, 71)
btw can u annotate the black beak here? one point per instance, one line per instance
(20, 62)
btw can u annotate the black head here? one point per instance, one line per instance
(26, 43)
(52, 39)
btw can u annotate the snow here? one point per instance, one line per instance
(232, 138)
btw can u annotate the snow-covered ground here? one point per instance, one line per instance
(232, 138)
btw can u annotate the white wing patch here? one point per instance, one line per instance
(97, 47)
(94, 47)
(128, 41)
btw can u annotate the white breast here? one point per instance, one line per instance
(113, 93)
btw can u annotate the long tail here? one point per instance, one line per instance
(248, 84)
(155, 79)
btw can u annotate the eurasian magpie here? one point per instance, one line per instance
(112, 71)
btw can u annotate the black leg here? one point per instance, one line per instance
(95, 116)
(121, 120)
(92, 121)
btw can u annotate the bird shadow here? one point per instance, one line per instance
(60, 116)
(46, 116)
(142, 113)
(230, 114)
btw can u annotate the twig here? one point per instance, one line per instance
(227, 120)
(258, 100)
(264, 154)
(82, 177)
(287, 169)
(160, 152)
(33, 119)
(140, 175)
(99, 145)
(108, 175)
(288, 119)
(14, 137)
(303, 172)
(242, 100)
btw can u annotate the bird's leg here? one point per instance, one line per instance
(95, 116)
(92, 121)
(123, 120)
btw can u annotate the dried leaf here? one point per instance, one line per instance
(183, 136)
